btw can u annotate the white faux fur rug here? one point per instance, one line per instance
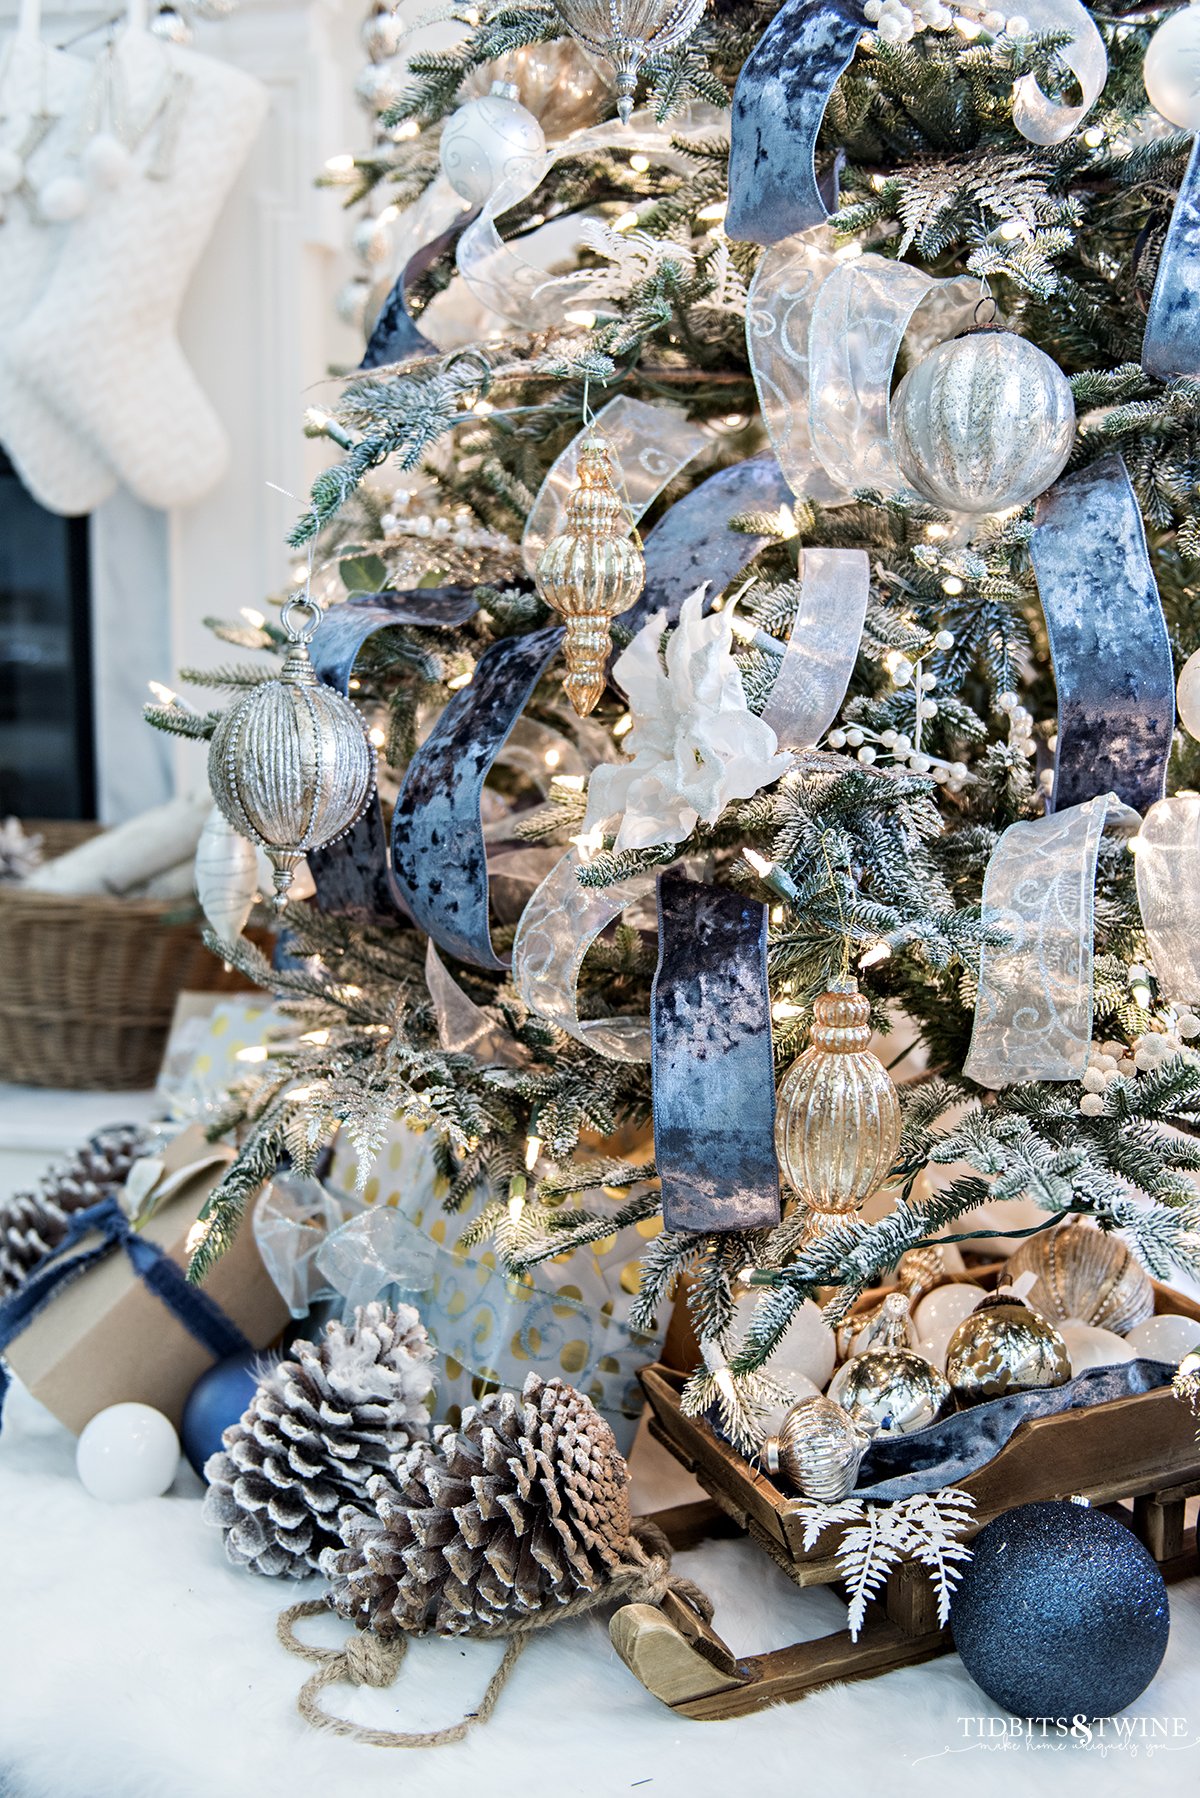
(135, 1663)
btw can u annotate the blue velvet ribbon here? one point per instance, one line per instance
(1171, 345)
(396, 336)
(902, 1466)
(439, 858)
(188, 1305)
(778, 105)
(713, 1076)
(352, 876)
(1108, 640)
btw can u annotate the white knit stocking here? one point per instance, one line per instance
(100, 346)
(62, 469)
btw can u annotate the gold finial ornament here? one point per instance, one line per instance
(290, 765)
(590, 573)
(837, 1117)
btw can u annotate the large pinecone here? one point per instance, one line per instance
(524, 1505)
(315, 1432)
(32, 1223)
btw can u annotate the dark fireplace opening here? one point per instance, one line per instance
(47, 740)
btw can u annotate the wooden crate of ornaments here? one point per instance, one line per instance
(1142, 1449)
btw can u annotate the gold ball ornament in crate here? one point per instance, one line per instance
(1002, 1347)
(984, 422)
(837, 1116)
(290, 765)
(818, 1449)
(888, 1385)
(590, 573)
(1085, 1274)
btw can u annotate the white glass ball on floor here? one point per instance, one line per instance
(983, 423)
(488, 139)
(1171, 70)
(171, 26)
(1167, 1337)
(127, 1452)
(1089, 1346)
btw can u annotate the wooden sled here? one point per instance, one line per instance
(1140, 1449)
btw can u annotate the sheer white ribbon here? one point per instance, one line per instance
(1033, 1012)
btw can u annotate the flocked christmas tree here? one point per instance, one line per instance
(1006, 666)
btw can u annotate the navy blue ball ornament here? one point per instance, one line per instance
(216, 1400)
(1061, 1613)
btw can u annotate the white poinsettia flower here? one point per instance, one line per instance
(695, 744)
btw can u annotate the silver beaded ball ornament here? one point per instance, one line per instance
(984, 423)
(291, 766)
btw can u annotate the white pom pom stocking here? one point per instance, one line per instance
(62, 469)
(100, 346)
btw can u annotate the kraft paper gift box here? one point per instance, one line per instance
(105, 1338)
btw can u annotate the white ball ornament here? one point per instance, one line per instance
(1089, 1346)
(1171, 70)
(807, 1351)
(127, 1452)
(1187, 695)
(62, 199)
(984, 422)
(106, 161)
(1166, 1337)
(12, 171)
(488, 139)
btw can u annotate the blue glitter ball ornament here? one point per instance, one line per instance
(1061, 1613)
(216, 1400)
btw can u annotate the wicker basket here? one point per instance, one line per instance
(89, 984)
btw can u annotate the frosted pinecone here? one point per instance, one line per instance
(524, 1505)
(315, 1432)
(34, 1222)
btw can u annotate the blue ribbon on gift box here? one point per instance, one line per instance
(199, 1315)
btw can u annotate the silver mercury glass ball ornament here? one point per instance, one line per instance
(290, 765)
(888, 1385)
(1002, 1347)
(985, 422)
(372, 240)
(351, 302)
(381, 34)
(378, 87)
(171, 26)
(488, 139)
(818, 1449)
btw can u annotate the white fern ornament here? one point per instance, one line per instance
(226, 876)
(926, 1529)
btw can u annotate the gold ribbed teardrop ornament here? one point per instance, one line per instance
(837, 1117)
(590, 573)
(290, 765)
